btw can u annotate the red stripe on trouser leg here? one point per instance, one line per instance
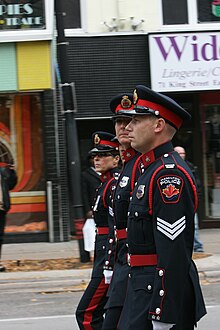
(99, 293)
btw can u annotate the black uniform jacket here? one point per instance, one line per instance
(126, 182)
(103, 217)
(8, 182)
(90, 182)
(161, 222)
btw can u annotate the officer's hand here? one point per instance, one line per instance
(161, 326)
(108, 275)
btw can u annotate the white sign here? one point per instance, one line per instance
(185, 61)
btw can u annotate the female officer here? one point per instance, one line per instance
(89, 313)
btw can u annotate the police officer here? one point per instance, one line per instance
(163, 286)
(89, 313)
(119, 105)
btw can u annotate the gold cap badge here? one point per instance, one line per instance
(135, 97)
(96, 139)
(125, 102)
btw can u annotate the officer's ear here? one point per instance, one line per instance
(116, 159)
(159, 125)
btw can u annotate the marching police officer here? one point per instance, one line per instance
(119, 105)
(163, 286)
(90, 311)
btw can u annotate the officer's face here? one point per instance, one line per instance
(104, 162)
(142, 132)
(121, 132)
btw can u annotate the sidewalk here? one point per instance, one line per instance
(208, 267)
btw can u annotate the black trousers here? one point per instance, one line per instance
(90, 311)
(112, 317)
(2, 226)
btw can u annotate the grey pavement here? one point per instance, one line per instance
(208, 266)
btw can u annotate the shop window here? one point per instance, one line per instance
(21, 143)
(174, 13)
(210, 115)
(208, 11)
(72, 17)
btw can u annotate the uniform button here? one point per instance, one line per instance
(142, 171)
(149, 287)
(160, 272)
(107, 262)
(103, 247)
(158, 310)
(128, 214)
(110, 240)
(153, 317)
(135, 183)
(129, 275)
(109, 251)
(114, 227)
(158, 318)
(166, 155)
(161, 293)
(136, 214)
(130, 198)
(118, 196)
(126, 229)
(127, 245)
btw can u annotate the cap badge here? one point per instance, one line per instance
(96, 139)
(125, 102)
(135, 96)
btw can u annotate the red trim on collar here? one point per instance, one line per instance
(128, 154)
(105, 176)
(164, 112)
(148, 158)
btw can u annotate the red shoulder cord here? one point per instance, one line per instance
(192, 185)
(104, 192)
(151, 189)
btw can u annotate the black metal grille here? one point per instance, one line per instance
(104, 66)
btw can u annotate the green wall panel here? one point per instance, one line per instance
(8, 71)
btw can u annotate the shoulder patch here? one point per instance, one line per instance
(124, 181)
(140, 191)
(170, 187)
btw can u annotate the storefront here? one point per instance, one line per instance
(28, 120)
(186, 70)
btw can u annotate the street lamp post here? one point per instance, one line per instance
(69, 106)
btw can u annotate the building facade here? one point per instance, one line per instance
(171, 48)
(111, 47)
(29, 121)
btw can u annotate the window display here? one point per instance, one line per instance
(21, 143)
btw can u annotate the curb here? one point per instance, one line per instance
(79, 274)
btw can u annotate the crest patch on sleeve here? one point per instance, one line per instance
(170, 188)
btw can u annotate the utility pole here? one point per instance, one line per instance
(69, 106)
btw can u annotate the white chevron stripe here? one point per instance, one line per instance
(171, 230)
(171, 225)
(172, 237)
(110, 210)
